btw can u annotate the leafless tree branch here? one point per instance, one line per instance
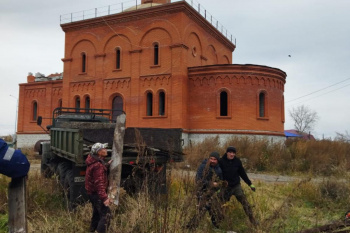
(304, 118)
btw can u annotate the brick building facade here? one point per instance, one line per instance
(166, 66)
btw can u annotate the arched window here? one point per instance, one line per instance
(35, 111)
(60, 103)
(161, 103)
(149, 104)
(262, 103)
(83, 62)
(117, 58)
(77, 104)
(117, 107)
(87, 103)
(156, 54)
(223, 104)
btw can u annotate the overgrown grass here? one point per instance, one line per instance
(286, 207)
(295, 156)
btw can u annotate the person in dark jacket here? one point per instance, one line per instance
(208, 179)
(233, 171)
(96, 183)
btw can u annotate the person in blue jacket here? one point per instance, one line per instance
(208, 180)
(13, 163)
(233, 171)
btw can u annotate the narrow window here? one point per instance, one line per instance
(83, 62)
(156, 53)
(77, 104)
(35, 111)
(60, 103)
(261, 105)
(161, 103)
(117, 107)
(117, 59)
(223, 103)
(87, 103)
(149, 103)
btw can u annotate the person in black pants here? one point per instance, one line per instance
(233, 171)
(209, 181)
(96, 183)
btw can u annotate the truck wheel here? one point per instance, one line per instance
(54, 165)
(129, 185)
(69, 190)
(62, 169)
(45, 170)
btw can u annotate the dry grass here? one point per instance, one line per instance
(288, 207)
(296, 156)
(31, 155)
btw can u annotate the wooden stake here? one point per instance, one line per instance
(17, 205)
(117, 155)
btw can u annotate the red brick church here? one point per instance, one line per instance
(167, 66)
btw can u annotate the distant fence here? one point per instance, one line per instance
(121, 7)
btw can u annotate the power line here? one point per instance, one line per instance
(320, 90)
(322, 94)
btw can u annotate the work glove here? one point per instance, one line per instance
(252, 187)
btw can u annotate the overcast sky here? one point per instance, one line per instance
(315, 33)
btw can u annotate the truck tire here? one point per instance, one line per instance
(69, 190)
(53, 166)
(62, 169)
(45, 170)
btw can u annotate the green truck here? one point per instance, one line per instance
(146, 151)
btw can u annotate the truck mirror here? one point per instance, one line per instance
(39, 120)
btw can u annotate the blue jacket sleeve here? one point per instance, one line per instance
(13, 163)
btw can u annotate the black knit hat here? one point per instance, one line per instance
(231, 149)
(215, 155)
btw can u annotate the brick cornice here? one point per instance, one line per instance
(237, 75)
(57, 91)
(232, 131)
(151, 12)
(37, 92)
(232, 79)
(154, 80)
(238, 70)
(67, 59)
(82, 86)
(179, 45)
(44, 83)
(31, 132)
(115, 83)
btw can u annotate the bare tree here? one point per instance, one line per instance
(344, 137)
(304, 118)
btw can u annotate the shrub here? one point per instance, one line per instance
(295, 156)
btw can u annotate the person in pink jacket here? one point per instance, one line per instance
(96, 183)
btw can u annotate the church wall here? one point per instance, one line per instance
(194, 67)
(46, 95)
(243, 84)
(137, 75)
